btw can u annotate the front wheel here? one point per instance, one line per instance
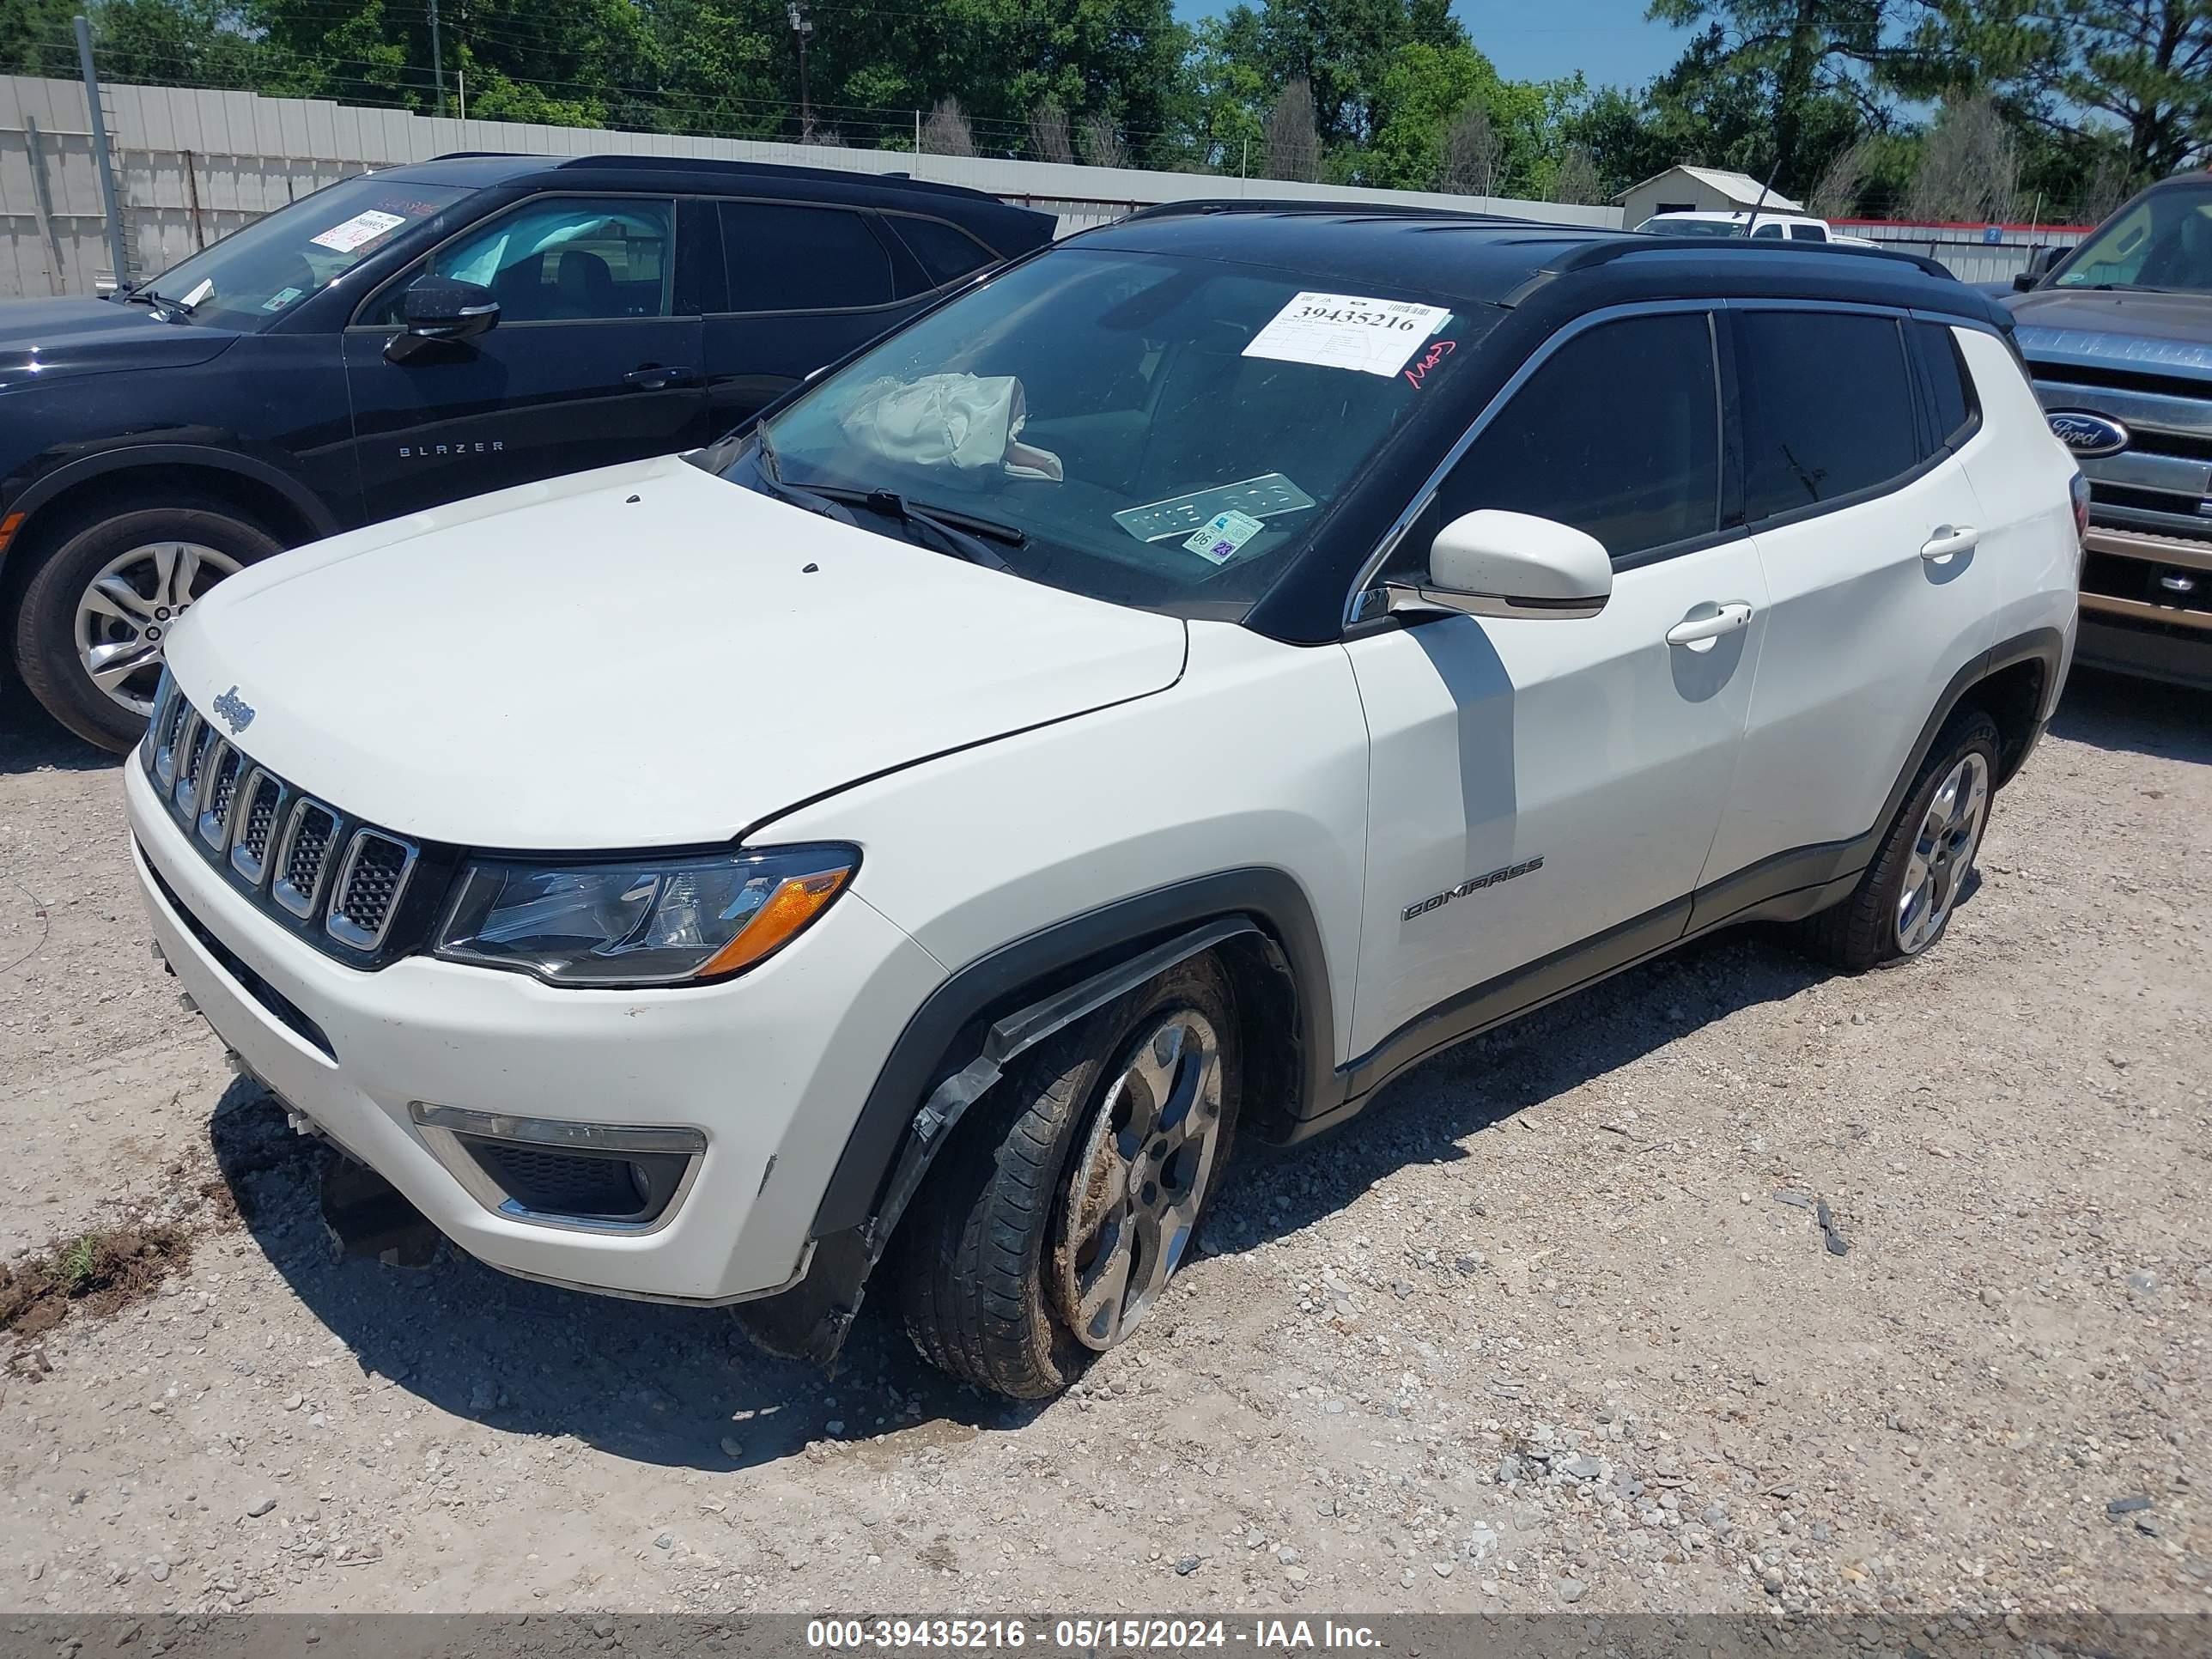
(1069, 1198)
(96, 613)
(1906, 899)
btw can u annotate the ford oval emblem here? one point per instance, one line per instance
(2089, 434)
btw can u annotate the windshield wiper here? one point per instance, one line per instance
(960, 534)
(170, 310)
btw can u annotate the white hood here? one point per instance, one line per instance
(637, 656)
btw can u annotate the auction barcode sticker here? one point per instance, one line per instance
(361, 228)
(1347, 330)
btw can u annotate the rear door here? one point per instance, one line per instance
(596, 358)
(1867, 529)
(805, 283)
(1559, 782)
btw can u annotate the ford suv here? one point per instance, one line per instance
(1145, 704)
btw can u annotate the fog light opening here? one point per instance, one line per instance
(601, 1177)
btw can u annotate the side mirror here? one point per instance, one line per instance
(1493, 563)
(441, 310)
(2040, 265)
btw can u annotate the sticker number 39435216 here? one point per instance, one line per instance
(1347, 330)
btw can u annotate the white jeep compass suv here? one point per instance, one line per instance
(1166, 691)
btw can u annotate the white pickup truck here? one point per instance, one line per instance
(1765, 226)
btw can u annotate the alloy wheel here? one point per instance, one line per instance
(127, 611)
(1942, 853)
(1135, 1187)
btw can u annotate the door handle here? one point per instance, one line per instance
(654, 377)
(1703, 631)
(1949, 541)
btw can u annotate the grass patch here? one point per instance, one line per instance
(94, 1272)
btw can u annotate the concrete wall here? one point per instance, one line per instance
(192, 166)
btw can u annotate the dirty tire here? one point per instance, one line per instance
(978, 1252)
(45, 643)
(1860, 931)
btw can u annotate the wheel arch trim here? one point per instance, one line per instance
(40, 491)
(959, 1042)
(1121, 943)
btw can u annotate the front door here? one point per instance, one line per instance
(592, 359)
(1560, 781)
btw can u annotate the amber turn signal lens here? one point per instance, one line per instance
(788, 910)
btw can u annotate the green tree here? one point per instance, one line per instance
(1424, 89)
(1779, 84)
(2144, 66)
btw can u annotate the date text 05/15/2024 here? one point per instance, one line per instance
(1085, 1635)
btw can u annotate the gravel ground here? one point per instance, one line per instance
(1556, 1324)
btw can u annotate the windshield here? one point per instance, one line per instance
(1692, 228)
(2160, 240)
(1158, 431)
(255, 274)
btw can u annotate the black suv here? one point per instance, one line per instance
(410, 337)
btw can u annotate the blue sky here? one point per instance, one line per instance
(1608, 40)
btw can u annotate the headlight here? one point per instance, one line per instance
(642, 920)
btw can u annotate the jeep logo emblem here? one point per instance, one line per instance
(2089, 434)
(235, 711)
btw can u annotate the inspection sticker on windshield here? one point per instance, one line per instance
(1345, 330)
(362, 228)
(1220, 536)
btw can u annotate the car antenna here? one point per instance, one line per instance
(1751, 222)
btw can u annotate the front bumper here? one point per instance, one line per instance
(770, 1068)
(2147, 604)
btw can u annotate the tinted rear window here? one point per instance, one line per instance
(1952, 412)
(946, 252)
(1827, 407)
(785, 258)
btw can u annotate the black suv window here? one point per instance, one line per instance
(787, 257)
(946, 252)
(1827, 407)
(556, 259)
(1616, 434)
(1953, 413)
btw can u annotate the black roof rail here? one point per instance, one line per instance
(1364, 209)
(1632, 243)
(899, 181)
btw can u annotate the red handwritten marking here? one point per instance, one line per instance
(1435, 355)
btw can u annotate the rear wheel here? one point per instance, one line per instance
(1052, 1225)
(97, 612)
(1905, 900)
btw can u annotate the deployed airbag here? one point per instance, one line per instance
(964, 421)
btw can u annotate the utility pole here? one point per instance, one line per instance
(437, 58)
(801, 27)
(118, 245)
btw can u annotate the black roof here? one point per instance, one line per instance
(886, 190)
(1488, 259)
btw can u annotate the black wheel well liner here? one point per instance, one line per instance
(2014, 697)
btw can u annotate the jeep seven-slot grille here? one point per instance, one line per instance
(250, 851)
(335, 880)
